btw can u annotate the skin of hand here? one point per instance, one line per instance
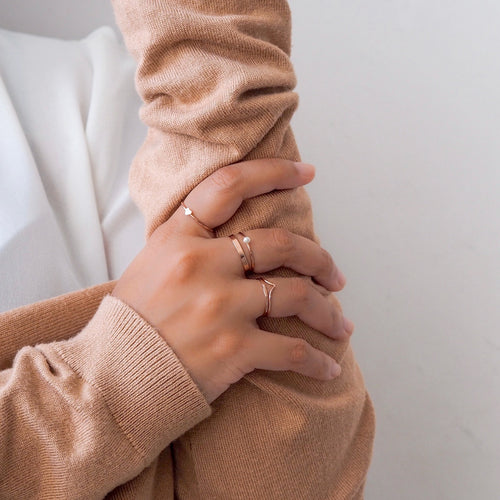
(192, 288)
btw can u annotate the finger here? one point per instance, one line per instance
(348, 324)
(295, 297)
(277, 247)
(269, 351)
(216, 199)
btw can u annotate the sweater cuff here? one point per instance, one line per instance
(146, 388)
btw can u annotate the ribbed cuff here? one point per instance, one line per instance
(148, 391)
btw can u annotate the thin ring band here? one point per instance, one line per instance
(267, 288)
(247, 240)
(188, 211)
(241, 253)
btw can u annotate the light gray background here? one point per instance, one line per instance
(400, 112)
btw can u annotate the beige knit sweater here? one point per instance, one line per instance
(92, 401)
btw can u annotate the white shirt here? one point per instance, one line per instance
(69, 129)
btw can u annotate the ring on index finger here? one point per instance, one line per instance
(189, 212)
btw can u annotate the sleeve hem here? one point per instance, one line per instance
(146, 388)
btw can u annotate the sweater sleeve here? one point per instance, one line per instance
(82, 416)
(217, 85)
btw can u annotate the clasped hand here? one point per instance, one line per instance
(192, 288)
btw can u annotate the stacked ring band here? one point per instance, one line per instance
(189, 212)
(247, 240)
(241, 253)
(267, 288)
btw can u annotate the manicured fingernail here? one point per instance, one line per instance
(305, 168)
(335, 370)
(348, 325)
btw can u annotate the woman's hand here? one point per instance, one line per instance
(192, 288)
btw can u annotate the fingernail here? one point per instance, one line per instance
(305, 168)
(348, 325)
(335, 370)
(341, 279)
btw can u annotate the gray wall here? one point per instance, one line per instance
(400, 112)
(56, 18)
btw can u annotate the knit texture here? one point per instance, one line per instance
(217, 84)
(80, 417)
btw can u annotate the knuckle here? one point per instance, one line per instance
(301, 291)
(227, 178)
(212, 303)
(226, 345)
(283, 239)
(299, 352)
(186, 264)
(280, 163)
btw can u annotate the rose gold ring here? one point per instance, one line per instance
(188, 211)
(247, 240)
(241, 253)
(267, 288)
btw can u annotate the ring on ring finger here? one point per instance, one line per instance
(267, 288)
(293, 296)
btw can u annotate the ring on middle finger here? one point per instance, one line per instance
(247, 240)
(241, 253)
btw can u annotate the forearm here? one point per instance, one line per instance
(217, 84)
(115, 394)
